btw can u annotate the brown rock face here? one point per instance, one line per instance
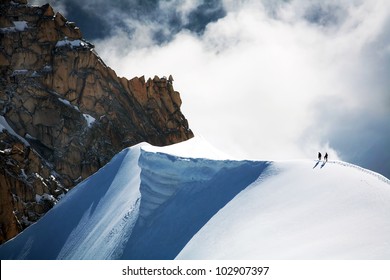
(64, 113)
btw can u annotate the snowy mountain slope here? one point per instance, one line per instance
(91, 216)
(189, 201)
(140, 205)
(298, 210)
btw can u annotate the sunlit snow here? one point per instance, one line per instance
(70, 43)
(89, 119)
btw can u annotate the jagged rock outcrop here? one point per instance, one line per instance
(64, 113)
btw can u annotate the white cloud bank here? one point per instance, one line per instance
(274, 79)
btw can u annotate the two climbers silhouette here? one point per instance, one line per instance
(320, 156)
(319, 159)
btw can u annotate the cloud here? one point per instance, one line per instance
(267, 79)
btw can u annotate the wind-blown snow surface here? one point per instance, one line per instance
(188, 201)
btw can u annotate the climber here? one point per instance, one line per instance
(326, 157)
(319, 156)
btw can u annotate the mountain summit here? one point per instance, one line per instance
(64, 113)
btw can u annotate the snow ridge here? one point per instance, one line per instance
(159, 203)
(375, 174)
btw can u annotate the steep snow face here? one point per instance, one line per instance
(298, 210)
(93, 220)
(159, 203)
(178, 196)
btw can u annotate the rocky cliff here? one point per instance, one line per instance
(64, 113)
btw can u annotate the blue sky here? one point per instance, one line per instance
(260, 79)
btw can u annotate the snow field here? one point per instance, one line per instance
(296, 212)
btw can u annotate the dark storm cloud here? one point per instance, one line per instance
(206, 12)
(101, 19)
(324, 14)
(92, 24)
